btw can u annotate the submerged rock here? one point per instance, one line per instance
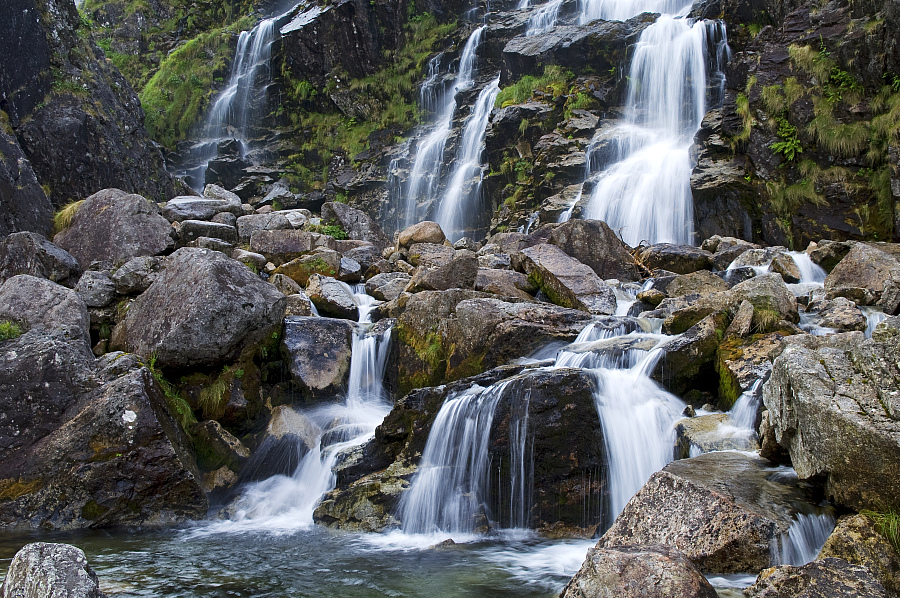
(42, 570)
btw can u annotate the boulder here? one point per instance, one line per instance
(726, 249)
(689, 361)
(88, 443)
(96, 289)
(191, 230)
(862, 275)
(247, 225)
(285, 284)
(826, 578)
(566, 281)
(423, 232)
(430, 254)
(42, 570)
(254, 261)
(594, 244)
(326, 263)
(280, 246)
(318, 354)
(30, 253)
(856, 541)
(39, 303)
(137, 274)
(23, 204)
(225, 218)
(356, 223)
(387, 286)
(767, 292)
(837, 412)
(841, 314)
(638, 572)
(827, 253)
(217, 447)
(112, 226)
(365, 256)
(680, 259)
(202, 310)
(332, 297)
(188, 207)
(459, 273)
(785, 265)
(714, 432)
(702, 282)
(723, 510)
(505, 283)
(350, 271)
(289, 435)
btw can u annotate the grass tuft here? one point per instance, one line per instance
(63, 218)
(9, 330)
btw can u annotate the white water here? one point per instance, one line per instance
(810, 273)
(874, 316)
(743, 413)
(285, 503)
(803, 540)
(423, 187)
(621, 10)
(643, 192)
(460, 204)
(544, 18)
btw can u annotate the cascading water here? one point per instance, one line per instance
(621, 10)
(423, 187)
(804, 539)
(287, 502)
(459, 207)
(642, 186)
(544, 18)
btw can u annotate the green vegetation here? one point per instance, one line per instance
(9, 330)
(888, 525)
(789, 146)
(178, 406)
(62, 219)
(554, 81)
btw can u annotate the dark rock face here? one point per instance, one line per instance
(829, 577)
(42, 570)
(86, 135)
(566, 281)
(112, 226)
(356, 223)
(30, 253)
(88, 444)
(626, 571)
(594, 244)
(318, 353)
(23, 204)
(204, 308)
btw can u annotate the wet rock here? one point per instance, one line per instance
(30, 253)
(112, 226)
(726, 249)
(247, 225)
(830, 577)
(39, 303)
(365, 256)
(505, 283)
(627, 571)
(217, 447)
(714, 432)
(856, 541)
(680, 259)
(702, 281)
(299, 304)
(188, 207)
(23, 204)
(689, 361)
(326, 263)
(318, 353)
(741, 362)
(836, 412)
(356, 223)
(459, 273)
(203, 309)
(42, 570)
(828, 253)
(350, 271)
(862, 276)
(331, 297)
(594, 244)
(652, 297)
(423, 232)
(768, 292)
(93, 445)
(722, 510)
(96, 289)
(566, 281)
(785, 265)
(137, 274)
(387, 286)
(191, 230)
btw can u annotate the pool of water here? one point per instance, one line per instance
(211, 562)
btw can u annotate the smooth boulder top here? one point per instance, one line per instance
(37, 302)
(423, 232)
(44, 570)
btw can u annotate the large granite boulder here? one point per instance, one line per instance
(826, 578)
(566, 281)
(331, 297)
(857, 541)
(638, 572)
(23, 204)
(40, 303)
(458, 273)
(43, 570)
(318, 354)
(423, 232)
(30, 253)
(113, 226)
(722, 510)
(137, 274)
(189, 207)
(88, 443)
(680, 259)
(866, 275)
(837, 412)
(203, 309)
(247, 225)
(355, 223)
(594, 244)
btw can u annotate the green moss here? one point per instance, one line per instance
(9, 330)
(178, 406)
(92, 510)
(11, 489)
(554, 80)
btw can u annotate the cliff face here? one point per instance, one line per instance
(75, 117)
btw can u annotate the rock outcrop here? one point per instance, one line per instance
(42, 570)
(23, 204)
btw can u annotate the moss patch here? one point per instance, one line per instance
(11, 489)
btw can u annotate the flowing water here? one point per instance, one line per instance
(804, 539)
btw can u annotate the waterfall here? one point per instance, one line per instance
(425, 175)
(460, 205)
(810, 273)
(544, 18)
(803, 541)
(622, 10)
(644, 191)
(237, 106)
(287, 502)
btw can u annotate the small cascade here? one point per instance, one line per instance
(622, 10)
(423, 188)
(803, 541)
(743, 413)
(240, 103)
(544, 18)
(287, 502)
(810, 273)
(643, 187)
(874, 316)
(460, 205)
